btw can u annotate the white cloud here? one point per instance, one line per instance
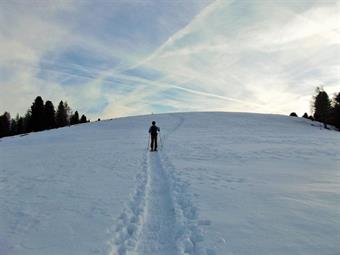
(259, 56)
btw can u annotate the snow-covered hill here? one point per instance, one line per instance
(223, 183)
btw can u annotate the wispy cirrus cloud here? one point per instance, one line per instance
(71, 49)
(125, 58)
(270, 53)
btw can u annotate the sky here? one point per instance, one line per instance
(113, 58)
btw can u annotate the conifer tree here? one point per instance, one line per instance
(37, 109)
(336, 110)
(322, 106)
(49, 118)
(14, 126)
(28, 121)
(5, 124)
(83, 119)
(68, 112)
(20, 125)
(61, 117)
(39, 117)
(74, 118)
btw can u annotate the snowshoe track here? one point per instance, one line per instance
(160, 218)
(130, 222)
(158, 231)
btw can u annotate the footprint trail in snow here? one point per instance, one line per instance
(160, 218)
(157, 234)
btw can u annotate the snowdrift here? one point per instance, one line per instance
(221, 183)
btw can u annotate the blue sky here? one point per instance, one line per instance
(120, 58)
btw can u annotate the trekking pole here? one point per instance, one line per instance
(160, 141)
(148, 146)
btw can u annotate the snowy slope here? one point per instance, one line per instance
(223, 183)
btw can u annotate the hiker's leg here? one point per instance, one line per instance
(155, 142)
(152, 142)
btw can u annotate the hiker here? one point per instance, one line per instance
(153, 131)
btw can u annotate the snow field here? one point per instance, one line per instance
(159, 218)
(60, 189)
(223, 184)
(267, 184)
(189, 231)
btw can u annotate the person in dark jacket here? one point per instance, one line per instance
(153, 131)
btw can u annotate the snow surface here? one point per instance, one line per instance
(221, 183)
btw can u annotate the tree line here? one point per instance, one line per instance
(40, 116)
(324, 109)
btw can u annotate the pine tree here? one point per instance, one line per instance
(14, 126)
(20, 125)
(74, 118)
(83, 119)
(49, 118)
(336, 110)
(5, 124)
(68, 112)
(322, 106)
(305, 115)
(37, 109)
(61, 117)
(28, 122)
